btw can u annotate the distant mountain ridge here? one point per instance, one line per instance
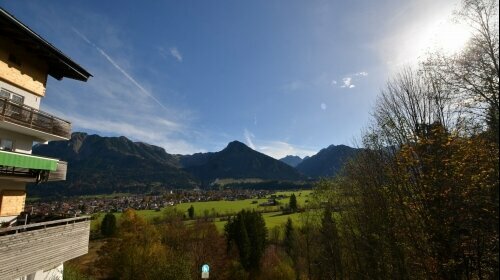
(116, 164)
(237, 161)
(327, 162)
(293, 161)
(111, 164)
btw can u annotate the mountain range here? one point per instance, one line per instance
(293, 161)
(326, 163)
(111, 164)
(116, 164)
(237, 161)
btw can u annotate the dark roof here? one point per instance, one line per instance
(59, 64)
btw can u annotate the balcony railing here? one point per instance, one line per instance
(33, 118)
(41, 246)
(31, 168)
(60, 173)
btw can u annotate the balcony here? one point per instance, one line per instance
(41, 246)
(27, 120)
(30, 168)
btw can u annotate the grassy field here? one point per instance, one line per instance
(109, 195)
(231, 207)
(272, 220)
(302, 196)
(226, 208)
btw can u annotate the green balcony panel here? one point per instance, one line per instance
(27, 161)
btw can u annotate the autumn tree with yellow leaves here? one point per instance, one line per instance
(421, 201)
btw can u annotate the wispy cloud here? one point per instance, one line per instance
(248, 138)
(275, 149)
(323, 106)
(348, 80)
(81, 35)
(162, 52)
(347, 83)
(325, 80)
(176, 54)
(127, 75)
(150, 129)
(280, 149)
(115, 101)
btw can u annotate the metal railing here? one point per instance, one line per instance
(42, 225)
(60, 173)
(36, 175)
(33, 118)
(29, 248)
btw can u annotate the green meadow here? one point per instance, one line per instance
(273, 216)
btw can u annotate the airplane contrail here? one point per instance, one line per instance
(127, 75)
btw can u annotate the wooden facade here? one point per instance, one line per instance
(20, 68)
(42, 246)
(26, 59)
(12, 202)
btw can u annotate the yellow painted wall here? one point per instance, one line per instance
(12, 197)
(12, 202)
(31, 75)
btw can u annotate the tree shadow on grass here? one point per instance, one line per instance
(280, 214)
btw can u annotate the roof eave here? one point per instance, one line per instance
(74, 71)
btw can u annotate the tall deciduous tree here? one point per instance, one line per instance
(141, 252)
(422, 200)
(472, 75)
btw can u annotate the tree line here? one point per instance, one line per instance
(421, 201)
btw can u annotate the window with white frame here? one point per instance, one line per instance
(4, 93)
(16, 98)
(6, 145)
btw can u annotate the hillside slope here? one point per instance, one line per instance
(116, 164)
(111, 164)
(237, 161)
(293, 161)
(327, 162)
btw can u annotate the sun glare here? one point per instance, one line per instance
(413, 40)
(446, 36)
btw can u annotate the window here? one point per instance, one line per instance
(16, 98)
(6, 145)
(4, 94)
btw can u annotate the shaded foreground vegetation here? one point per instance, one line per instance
(422, 200)
(170, 248)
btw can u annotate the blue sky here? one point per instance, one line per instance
(285, 77)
